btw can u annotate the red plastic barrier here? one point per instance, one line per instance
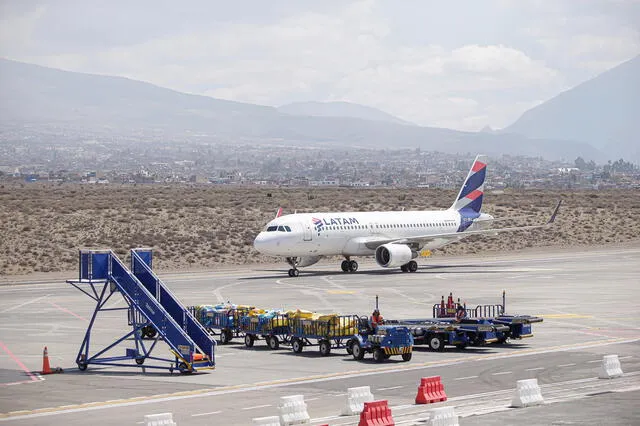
(430, 390)
(376, 413)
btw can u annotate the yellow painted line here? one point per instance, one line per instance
(391, 368)
(341, 292)
(564, 316)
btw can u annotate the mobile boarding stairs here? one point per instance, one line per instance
(103, 275)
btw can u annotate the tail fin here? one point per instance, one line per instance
(470, 195)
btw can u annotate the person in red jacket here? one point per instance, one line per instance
(376, 319)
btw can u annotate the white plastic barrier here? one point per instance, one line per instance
(266, 421)
(443, 416)
(356, 397)
(527, 394)
(293, 410)
(610, 367)
(164, 419)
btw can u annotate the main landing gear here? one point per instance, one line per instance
(349, 265)
(410, 267)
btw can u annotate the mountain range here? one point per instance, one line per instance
(39, 97)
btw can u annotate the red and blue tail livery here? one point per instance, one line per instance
(469, 198)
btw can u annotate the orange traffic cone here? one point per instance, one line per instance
(46, 368)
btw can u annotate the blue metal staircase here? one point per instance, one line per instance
(102, 275)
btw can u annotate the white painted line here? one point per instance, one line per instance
(566, 365)
(257, 406)
(625, 357)
(501, 373)
(465, 378)
(595, 360)
(24, 304)
(340, 394)
(310, 399)
(206, 414)
(534, 369)
(392, 387)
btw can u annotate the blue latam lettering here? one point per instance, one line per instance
(341, 221)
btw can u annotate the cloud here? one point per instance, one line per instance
(417, 60)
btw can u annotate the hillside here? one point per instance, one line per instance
(602, 112)
(61, 102)
(340, 109)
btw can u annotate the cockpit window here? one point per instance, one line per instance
(281, 228)
(272, 228)
(287, 228)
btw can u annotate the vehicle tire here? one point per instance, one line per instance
(353, 266)
(184, 369)
(140, 361)
(436, 343)
(297, 345)
(152, 332)
(349, 347)
(378, 355)
(273, 342)
(412, 266)
(357, 351)
(407, 356)
(82, 366)
(325, 347)
(225, 337)
(345, 266)
(403, 268)
(248, 340)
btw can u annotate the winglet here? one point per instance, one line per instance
(555, 213)
(279, 212)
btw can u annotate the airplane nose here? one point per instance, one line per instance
(259, 242)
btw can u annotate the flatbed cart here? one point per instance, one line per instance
(274, 330)
(327, 332)
(519, 326)
(224, 323)
(435, 333)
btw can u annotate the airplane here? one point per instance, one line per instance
(393, 238)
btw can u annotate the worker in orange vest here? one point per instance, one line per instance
(376, 319)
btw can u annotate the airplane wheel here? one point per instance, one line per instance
(403, 268)
(353, 266)
(412, 266)
(345, 266)
(293, 272)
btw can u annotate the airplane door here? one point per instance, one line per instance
(307, 232)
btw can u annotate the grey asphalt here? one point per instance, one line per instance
(589, 300)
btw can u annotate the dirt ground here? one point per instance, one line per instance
(43, 225)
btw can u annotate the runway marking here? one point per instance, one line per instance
(24, 304)
(466, 378)
(257, 406)
(567, 365)
(55, 305)
(594, 361)
(390, 388)
(207, 392)
(501, 373)
(341, 292)
(625, 357)
(565, 316)
(534, 369)
(17, 361)
(206, 414)
(310, 399)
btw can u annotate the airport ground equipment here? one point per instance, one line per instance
(326, 332)
(435, 333)
(222, 321)
(274, 329)
(383, 341)
(101, 276)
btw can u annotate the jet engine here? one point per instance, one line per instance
(307, 261)
(392, 255)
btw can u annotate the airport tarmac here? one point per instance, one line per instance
(588, 298)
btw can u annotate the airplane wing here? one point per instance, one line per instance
(422, 240)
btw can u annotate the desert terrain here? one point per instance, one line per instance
(191, 227)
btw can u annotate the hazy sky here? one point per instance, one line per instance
(456, 64)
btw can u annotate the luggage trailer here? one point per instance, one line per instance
(332, 333)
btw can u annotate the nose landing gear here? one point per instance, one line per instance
(293, 261)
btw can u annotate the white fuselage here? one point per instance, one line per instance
(345, 233)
